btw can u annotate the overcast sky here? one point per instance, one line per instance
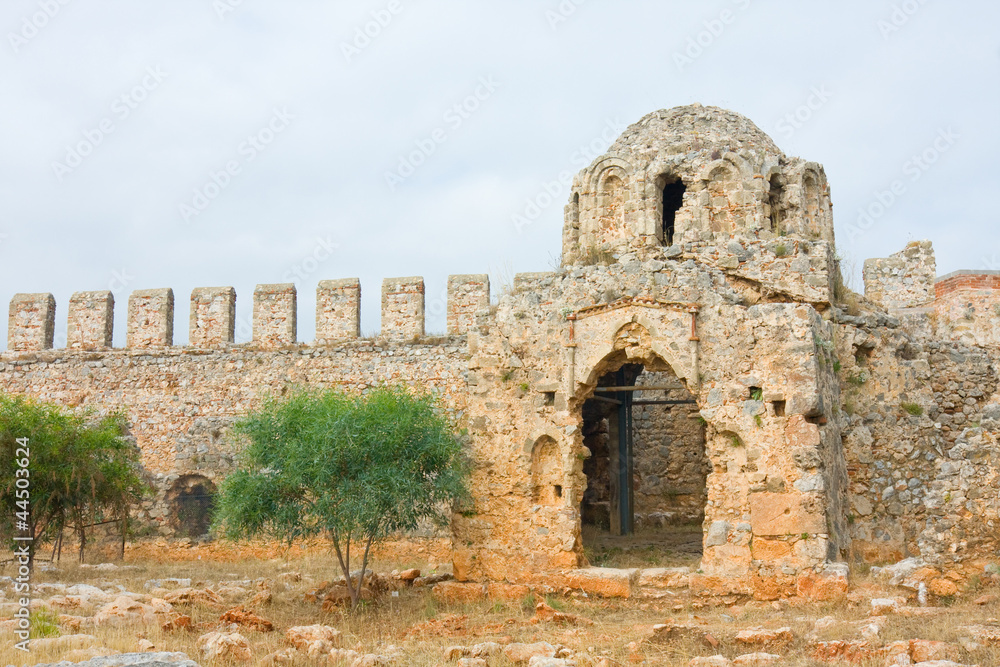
(233, 142)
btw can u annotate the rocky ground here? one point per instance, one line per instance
(276, 611)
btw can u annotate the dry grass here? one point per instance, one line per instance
(617, 623)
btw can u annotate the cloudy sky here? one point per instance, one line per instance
(234, 142)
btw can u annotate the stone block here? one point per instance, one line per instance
(783, 514)
(274, 312)
(150, 318)
(338, 309)
(467, 295)
(90, 325)
(31, 323)
(455, 592)
(213, 317)
(603, 581)
(403, 307)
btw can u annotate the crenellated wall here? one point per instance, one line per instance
(812, 428)
(31, 322)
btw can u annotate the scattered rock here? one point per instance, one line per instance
(544, 612)
(143, 645)
(193, 596)
(303, 636)
(539, 661)
(714, 661)
(985, 599)
(168, 583)
(447, 625)
(408, 575)
(279, 657)
(520, 653)
(124, 610)
(765, 637)
(472, 662)
(883, 605)
(247, 619)
(343, 656)
(943, 588)
(224, 646)
(178, 622)
(112, 659)
(757, 659)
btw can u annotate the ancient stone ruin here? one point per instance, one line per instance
(696, 360)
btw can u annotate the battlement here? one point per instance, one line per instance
(904, 279)
(212, 322)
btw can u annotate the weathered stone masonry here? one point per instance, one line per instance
(694, 251)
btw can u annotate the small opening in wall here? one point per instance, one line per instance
(779, 408)
(673, 199)
(558, 491)
(549, 397)
(776, 203)
(756, 394)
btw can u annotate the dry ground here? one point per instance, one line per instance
(620, 631)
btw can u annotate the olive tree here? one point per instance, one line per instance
(63, 468)
(353, 468)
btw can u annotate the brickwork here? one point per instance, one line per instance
(31, 322)
(150, 318)
(967, 306)
(90, 325)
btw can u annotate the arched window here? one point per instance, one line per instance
(673, 199)
(546, 472)
(776, 203)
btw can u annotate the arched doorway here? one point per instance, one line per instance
(191, 500)
(644, 502)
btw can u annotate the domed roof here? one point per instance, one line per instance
(698, 132)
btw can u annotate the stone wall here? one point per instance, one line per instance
(903, 280)
(967, 306)
(670, 460)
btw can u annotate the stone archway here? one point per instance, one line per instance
(643, 487)
(191, 500)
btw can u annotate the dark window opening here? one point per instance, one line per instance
(756, 394)
(558, 489)
(779, 408)
(776, 204)
(673, 199)
(550, 398)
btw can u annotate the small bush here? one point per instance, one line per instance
(913, 408)
(44, 623)
(781, 250)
